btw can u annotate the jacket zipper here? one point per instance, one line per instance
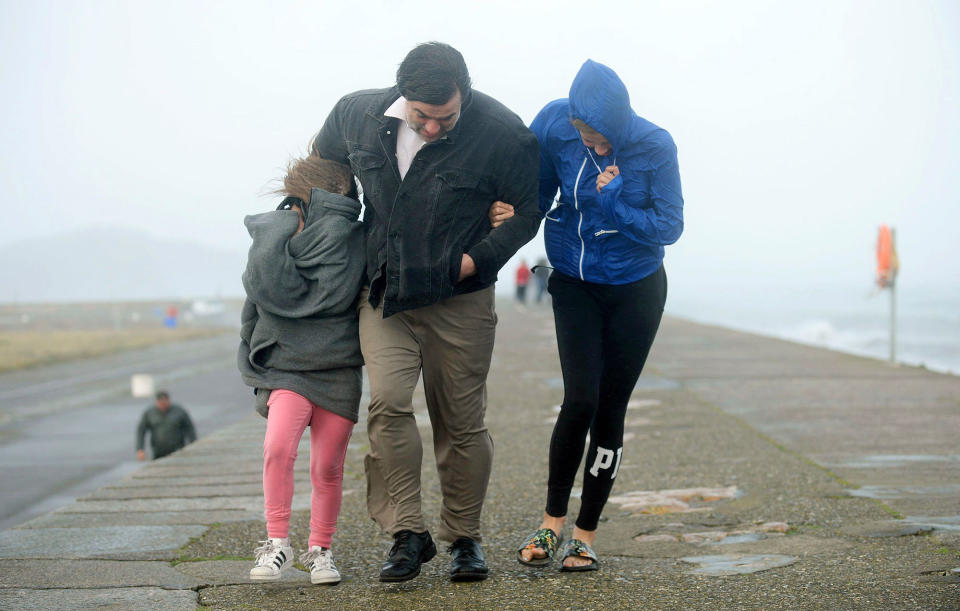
(576, 204)
(603, 231)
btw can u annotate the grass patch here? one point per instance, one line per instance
(22, 349)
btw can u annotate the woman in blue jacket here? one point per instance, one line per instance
(619, 204)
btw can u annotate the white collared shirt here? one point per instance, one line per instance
(409, 142)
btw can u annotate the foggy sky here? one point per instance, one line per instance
(800, 126)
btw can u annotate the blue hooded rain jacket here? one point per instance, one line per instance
(615, 236)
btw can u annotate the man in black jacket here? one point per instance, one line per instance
(169, 426)
(432, 156)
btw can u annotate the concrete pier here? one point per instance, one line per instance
(756, 473)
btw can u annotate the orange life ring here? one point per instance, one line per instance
(887, 263)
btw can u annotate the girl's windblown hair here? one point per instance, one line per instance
(311, 171)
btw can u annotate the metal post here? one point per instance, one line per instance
(893, 303)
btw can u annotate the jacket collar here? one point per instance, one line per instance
(393, 94)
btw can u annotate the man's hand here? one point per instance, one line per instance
(141, 455)
(499, 212)
(467, 267)
(609, 174)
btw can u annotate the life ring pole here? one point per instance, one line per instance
(893, 302)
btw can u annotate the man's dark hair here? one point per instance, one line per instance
(431, 73)
(163, 395)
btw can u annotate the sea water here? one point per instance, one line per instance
(852, 319)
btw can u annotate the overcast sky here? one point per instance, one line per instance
(800, 126)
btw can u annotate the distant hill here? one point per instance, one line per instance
(113, 263)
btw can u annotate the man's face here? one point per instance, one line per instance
(433, 122)
(163, 404)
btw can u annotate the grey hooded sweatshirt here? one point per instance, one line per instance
(299, 322)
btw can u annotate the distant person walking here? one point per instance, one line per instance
(300, 350)
(169, 426)
(523, 279)
(619, 204)
(541, 273)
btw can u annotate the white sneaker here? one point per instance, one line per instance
(320, 563)
(273, 558)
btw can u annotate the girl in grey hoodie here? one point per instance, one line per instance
(300, 351)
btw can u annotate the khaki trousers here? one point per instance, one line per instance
(451, 343)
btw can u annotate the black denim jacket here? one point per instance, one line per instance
(418, 229)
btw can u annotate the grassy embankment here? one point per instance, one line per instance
(21, 349)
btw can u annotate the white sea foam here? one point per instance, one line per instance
(928, 331)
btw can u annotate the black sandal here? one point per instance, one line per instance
(576, 547)
(544, 539)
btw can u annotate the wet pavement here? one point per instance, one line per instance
(68, 429)
(757, 474)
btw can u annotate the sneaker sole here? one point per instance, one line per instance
(276, 577)
(325, 580)
(266, 577)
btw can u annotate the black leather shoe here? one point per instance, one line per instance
(409, 551)
(467, 563)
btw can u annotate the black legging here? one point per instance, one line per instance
(604, 333)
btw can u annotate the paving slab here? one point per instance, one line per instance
(197, 480)
(160, 492)
(61, 573)
(205, 470)
(737, 564)
(120, 599)
(97, 542)
(139, 518)
(246, 503)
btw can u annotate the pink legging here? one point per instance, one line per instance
(287, 418)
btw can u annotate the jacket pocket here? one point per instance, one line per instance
(459, 193)
(458, 209)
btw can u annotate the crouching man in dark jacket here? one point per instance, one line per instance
(432, 156)
(169, 426)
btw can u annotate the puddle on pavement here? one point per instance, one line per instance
(657, 383)
(869, 461)
(951, 523)
(750, 534)
(744, 538)
(890, 492)
(909, 526)
(940, 576)
(737, 564)
(672, 501)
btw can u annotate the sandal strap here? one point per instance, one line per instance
(544, 539)
(576, 547)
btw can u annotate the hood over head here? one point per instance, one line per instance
(321, 200)
(599, 98)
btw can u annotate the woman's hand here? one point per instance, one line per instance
(499, 212)
(609, 174)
